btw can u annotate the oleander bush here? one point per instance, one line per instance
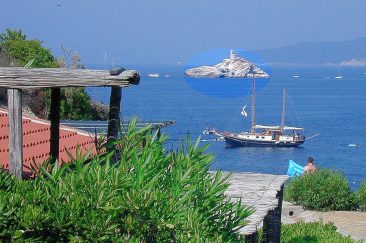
(312, 232)
(149, 194)
(321, 190)
(361, 196)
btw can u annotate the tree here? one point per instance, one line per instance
(5, 61)
(17, 50)
(70, 59)
(75, 102)
(15, 43)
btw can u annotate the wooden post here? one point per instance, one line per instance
(159, 132)
(114, 111)
(252, 238)
(55, 123)
(272, 222)
(15, 132)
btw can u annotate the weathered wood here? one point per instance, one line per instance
(25, 78)
(55, 123)
(15, 132)
(101, 127)
(114, 113)
(257, 191)
(252, 238)
(272, 222)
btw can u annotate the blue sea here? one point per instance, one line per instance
(333, 108)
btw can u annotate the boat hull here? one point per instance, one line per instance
(237, 142)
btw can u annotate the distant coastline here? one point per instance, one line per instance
(350, 53)
(353, 63)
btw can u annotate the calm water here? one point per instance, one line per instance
(335, 108)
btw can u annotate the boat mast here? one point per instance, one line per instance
(252, 120)
(283, 109)
(105, 60)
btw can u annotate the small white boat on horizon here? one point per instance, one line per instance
(354, 145)
(154, 75)
(296, 76)
(338, 77)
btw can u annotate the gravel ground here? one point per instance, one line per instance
(352, 223)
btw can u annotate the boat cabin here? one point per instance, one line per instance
(279, 133)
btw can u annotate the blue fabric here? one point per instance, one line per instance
(294, 169)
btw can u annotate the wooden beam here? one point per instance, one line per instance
(25, 78)
(55, 123)
(15, 132)
(114, 112)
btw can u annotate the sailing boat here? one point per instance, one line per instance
(264, 136)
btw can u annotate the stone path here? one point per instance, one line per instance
(258, 191)
(350, 223)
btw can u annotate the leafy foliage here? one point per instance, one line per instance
(312, 232)
(361, 196)
(321, 190)
(147, 195)
(15, 43)
(75, 102)
(70, 59)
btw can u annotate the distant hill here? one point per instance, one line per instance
(347, 53)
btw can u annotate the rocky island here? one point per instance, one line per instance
(234, 67)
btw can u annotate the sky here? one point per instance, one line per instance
(156, 32)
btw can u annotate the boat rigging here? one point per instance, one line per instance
(263, 135)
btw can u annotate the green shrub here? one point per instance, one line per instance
(361, 196)
(75, 103)
(6, 180)
(322, 190)
(312, 232)
(148, 195)
(23, 50)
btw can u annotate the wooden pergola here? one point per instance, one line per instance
(17, 78)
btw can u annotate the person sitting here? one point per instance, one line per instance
(310, 167)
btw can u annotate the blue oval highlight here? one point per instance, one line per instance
(225, 87)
